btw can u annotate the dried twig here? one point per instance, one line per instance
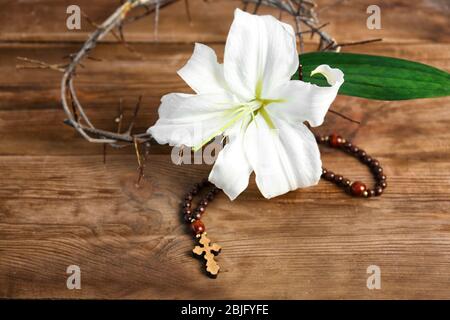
(81, 122)
(343, 116)
(303, 12)
(37, 64)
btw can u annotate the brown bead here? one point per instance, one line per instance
(348, 145)
(210, 196)
(215, 190)
(381, 177)
(358, 188)
(375, 163)
(335, 140)
(187, 218)
(378, 190)
(187, 211)
(362, 154)
(338, 179)
(383, 184)
(201, 209)
(354, 149)
(377, 170)
(367, 159)
(198, 227)
(346, 182)
(188, 197)
(204, 202)
(329, 176)
(197, 215)
(187, 204)
(194, 191)
(371, 192)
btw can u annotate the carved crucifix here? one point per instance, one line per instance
(208, 252)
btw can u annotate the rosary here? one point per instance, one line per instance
(355, 188)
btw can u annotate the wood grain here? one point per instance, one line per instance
(60, 205)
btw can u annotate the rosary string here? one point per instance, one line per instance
(355, 188)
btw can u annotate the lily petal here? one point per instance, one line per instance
(186, 119)
(300, 101)
(231, 170)
(260, 52)
(202, 72)
(283, 159)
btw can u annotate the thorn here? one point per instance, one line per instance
(344, 116)
(133, 119)
(119, 117)
(258, 4)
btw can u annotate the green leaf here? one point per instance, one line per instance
(377, 77)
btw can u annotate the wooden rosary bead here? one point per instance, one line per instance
(197, 215)
(188, 197)
(329, 176)
(377, 170)
(367, 159)
(198, 185)
(187, 204)
(362, 154)
(347, 145)
(375, 163)
(204, 202)
(335, 140)
(198, 227)
(338, 179)
(358, 188)
(378, 190)
(381, 177)
(187, 218)
(383, 184)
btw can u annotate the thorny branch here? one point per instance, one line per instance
(305, 16)
(303, 12)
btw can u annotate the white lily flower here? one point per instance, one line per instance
(252, 100)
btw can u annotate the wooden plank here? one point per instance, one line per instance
(45, 20)
(57, 211)
(31, 97)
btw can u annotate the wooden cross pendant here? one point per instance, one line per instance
(208, 251)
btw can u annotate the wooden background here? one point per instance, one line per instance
(60, 205)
